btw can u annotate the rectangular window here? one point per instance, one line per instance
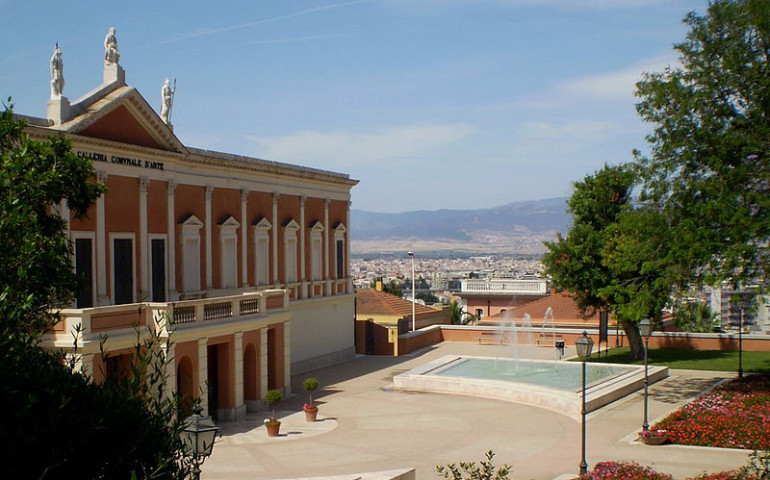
(158, 269)
(340, 259)
(84, 271)
(315, 259)
(123, 270)
(262, 261)
(192, 265)
(291, 260)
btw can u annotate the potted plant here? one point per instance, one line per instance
(311, 411)
(272, 423)
(654, 437)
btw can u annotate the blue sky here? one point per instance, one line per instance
(431, 104)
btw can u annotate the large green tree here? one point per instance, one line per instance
(56, 423)
(707, 170)
(578, 262)
(36, 275)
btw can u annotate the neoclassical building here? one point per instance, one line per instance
(241, 262)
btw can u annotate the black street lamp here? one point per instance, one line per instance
(740, 346)
(645, 329)
(584, 345)
(198, 435)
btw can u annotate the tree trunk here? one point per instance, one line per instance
(634, 340)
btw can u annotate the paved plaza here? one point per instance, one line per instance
(365, 426)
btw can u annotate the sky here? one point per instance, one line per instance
(430, 104)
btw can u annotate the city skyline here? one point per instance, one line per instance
(430, 104)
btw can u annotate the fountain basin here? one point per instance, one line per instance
(553, 385)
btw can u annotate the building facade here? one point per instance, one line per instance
(242, 263)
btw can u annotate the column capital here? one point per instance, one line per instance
(171, 186)
(144, 182)
(302, 200)
(276, 196)
(101, 176)
(209, 191)
(327, 202)
(244, 194)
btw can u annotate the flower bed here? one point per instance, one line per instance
(735, 415)
(634, 471)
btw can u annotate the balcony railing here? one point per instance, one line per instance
(89, 324)
(502, 286)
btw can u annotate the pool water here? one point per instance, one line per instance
(560, 375)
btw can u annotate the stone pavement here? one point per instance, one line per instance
(365, 426)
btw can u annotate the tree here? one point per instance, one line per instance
(578, 263)
(36, 275)
(124, 428)
(707, 170)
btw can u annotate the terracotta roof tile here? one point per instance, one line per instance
(374, 302)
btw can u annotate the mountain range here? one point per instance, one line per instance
(517, 227)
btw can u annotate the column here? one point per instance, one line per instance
(64, 212)
(286, 359)
(325, 249)
(244, 239)
(275, 240)
(240, 403)
(203, 374)
(101, 248)
(346, 250)
(209, 249)
(171, 247)
(302, 228)
(144, 263)
(263, 362)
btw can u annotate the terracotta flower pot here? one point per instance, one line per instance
(655, 440)
(273, 428)
(311, 414)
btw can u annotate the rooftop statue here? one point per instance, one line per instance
(167, 100)
(57, 73)
(111, 53)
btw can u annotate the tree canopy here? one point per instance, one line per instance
(707, 170)
(36, 275)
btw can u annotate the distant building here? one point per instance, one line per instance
(381, 317)
(489, 296)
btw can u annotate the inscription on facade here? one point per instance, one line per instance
(132, 162)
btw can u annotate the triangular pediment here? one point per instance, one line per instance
(317, 227)
(123, 116)
(263, 225)
(192, 222)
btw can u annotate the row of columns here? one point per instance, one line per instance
(102, 297)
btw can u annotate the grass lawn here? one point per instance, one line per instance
(717, 360)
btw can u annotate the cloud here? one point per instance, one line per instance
(216, 30)
(616, 85)
(343, 149)
(565, 4)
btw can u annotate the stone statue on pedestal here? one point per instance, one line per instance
(167, 100)
(57, 73)
(111, 53)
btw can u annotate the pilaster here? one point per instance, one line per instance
(325, 249)
(209, 236)
(287, 358)
(240, 403)
(203, 374)
(171, 247)
(263, 362)
(101, 248)
(144, 263)
(244, 239)
(302, 247)
(275, 240)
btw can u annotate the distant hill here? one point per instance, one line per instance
(518, 227)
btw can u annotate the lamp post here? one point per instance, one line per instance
(584, 345)
(740, 345)
(645, 328)
(198, 433)
(414, 296)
